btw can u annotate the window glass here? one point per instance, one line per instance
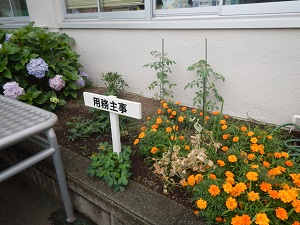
(177, 4)
(13, 8)
(91, 6)
(236, 2)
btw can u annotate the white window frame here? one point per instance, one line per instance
(284, 14)
(13, 18)
(139, 14)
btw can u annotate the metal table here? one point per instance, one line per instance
(20, 121)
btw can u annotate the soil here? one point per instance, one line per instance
(141, 172)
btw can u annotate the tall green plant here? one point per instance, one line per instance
(162, 68)
(114, 83)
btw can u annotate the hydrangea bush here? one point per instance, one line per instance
(39, 67)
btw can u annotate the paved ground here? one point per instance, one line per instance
(22, 202)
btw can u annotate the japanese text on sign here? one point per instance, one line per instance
(110, 105)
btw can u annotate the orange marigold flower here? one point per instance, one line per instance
(212, 176)
(194, 111)
(201, 204)
(207, 117)
(253, 196)
(269, 137)
(183, 109)
(240, 188)
(252, 176)
(175, 127)
(186, 147)
(174, 113)
(215, 113)
(254, 147)
(229, 174)
(253, 140)
(289, 163)
(154, 150)
(254, 166)
(266, 164)
(243, 128)
(219, 219)
(198, 178)
(250, 133)
(224, 148)
(184, 183)
(227, 187)
(214, 190)
(200, 113)
(180, 119)
(235, 139)
(169, 110)
(196, 212)
(220, 162)
(154, 126)
(262, 219)
(142, 135)
(136, 141)
(162, 101)
(286, 196)
(226, 117)
(173, 138)
(191, 180)
(149, 118)
(232, 158)
(231, 203)
(277, 155)
(251, 156)
(281, 213)
(296, 205)
(241, 220)
(177, 103)
(143, 128)
(181, 138)
(224, 127)
(273, 194)
(159, 111)
(265, 186)
(285, 155)
(296, 223)
(169, 129)
(225, 136)
(165, 105)
(158, 120)
(222, 122)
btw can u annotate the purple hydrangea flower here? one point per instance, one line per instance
(7, 37)
(12, 90)
(83, 74)
(80, 81)
(57, 83)
(37, 67)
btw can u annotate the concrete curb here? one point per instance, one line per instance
(92, 197)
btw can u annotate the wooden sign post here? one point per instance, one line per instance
(115, 107)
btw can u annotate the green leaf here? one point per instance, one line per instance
(7, 74)
(3, 63)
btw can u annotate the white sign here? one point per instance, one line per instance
(113, 104)
(115, 107)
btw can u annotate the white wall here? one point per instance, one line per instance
(261, 66)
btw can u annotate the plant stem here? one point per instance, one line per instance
(162, 70)
(204, 84)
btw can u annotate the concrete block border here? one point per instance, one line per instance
(92, 197)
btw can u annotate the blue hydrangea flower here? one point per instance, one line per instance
(83, 74)
(7, 37)
(37, 67)
(80, 81)
(57, 83)
(12, 90)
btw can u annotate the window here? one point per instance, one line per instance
(13, 10)
(105, 9)
(184, 14)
